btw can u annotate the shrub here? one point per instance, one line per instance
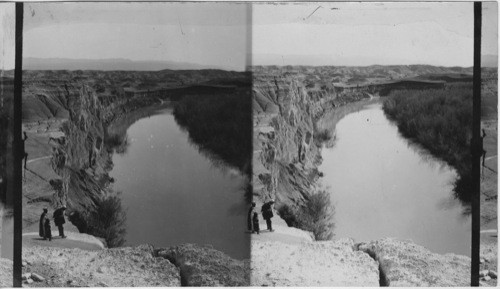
(106, 221)
(315, 216)
(323, 136)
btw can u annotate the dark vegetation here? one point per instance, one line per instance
(106, 221)
(440, 120)
(6, 124)
(220, 125)
(315, 216)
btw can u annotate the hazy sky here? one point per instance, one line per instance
(365, 34)
(202, 33)
(489, 40)
(7, 35)
(217, 33)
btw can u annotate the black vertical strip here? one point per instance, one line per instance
(18, 148)
(476, 146)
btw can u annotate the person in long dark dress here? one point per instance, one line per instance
(59, 220)
(47, 230)
(255, 221)
(41, 228)
(250, 215)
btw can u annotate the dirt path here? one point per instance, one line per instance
(37, 159)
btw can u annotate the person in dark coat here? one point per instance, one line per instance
(255, 221)
(25, 154)
(59, 220)
(250, 215)
(47, 230)
(41, 228)
(267, 214)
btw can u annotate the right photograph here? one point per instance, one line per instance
(362, 167)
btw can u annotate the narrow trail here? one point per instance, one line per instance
(491, 157)
(37, 159)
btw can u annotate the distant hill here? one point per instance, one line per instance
(489, 60)
(30, 63)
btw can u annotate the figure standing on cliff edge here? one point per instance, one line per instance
(250, 215)
(255, 220)
(47, 229)
(59, 220)
(267, 214)
(41, 225)
(25, 154)
(482, 146)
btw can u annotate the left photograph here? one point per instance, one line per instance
(137, 124)
(7, 49)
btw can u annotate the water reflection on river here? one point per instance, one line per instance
(383, 187)
(174, 195)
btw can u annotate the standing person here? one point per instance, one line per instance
(250, 215)
(256, 227)
(267, 214)
(59, 220)
(482, 146)
(41, 225)
(47, 230)
(25, 154)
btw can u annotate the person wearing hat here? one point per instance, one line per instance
(41, 226)
(267, 214)
(59, 220)
(250, 215)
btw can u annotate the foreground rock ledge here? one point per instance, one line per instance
(326, 263)
(205, 266)
(141, 266)
(406, 264)
(120, 267)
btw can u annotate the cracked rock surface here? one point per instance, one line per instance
(407, 264)
(205, 266)
(121, 267)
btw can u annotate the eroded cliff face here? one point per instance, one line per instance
(287, 141)
(80, 157)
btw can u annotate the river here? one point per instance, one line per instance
(383, 186)
(175, 195)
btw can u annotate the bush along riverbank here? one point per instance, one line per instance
(440, 120)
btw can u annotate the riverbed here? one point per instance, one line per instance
(174, 194)
(384, 186)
